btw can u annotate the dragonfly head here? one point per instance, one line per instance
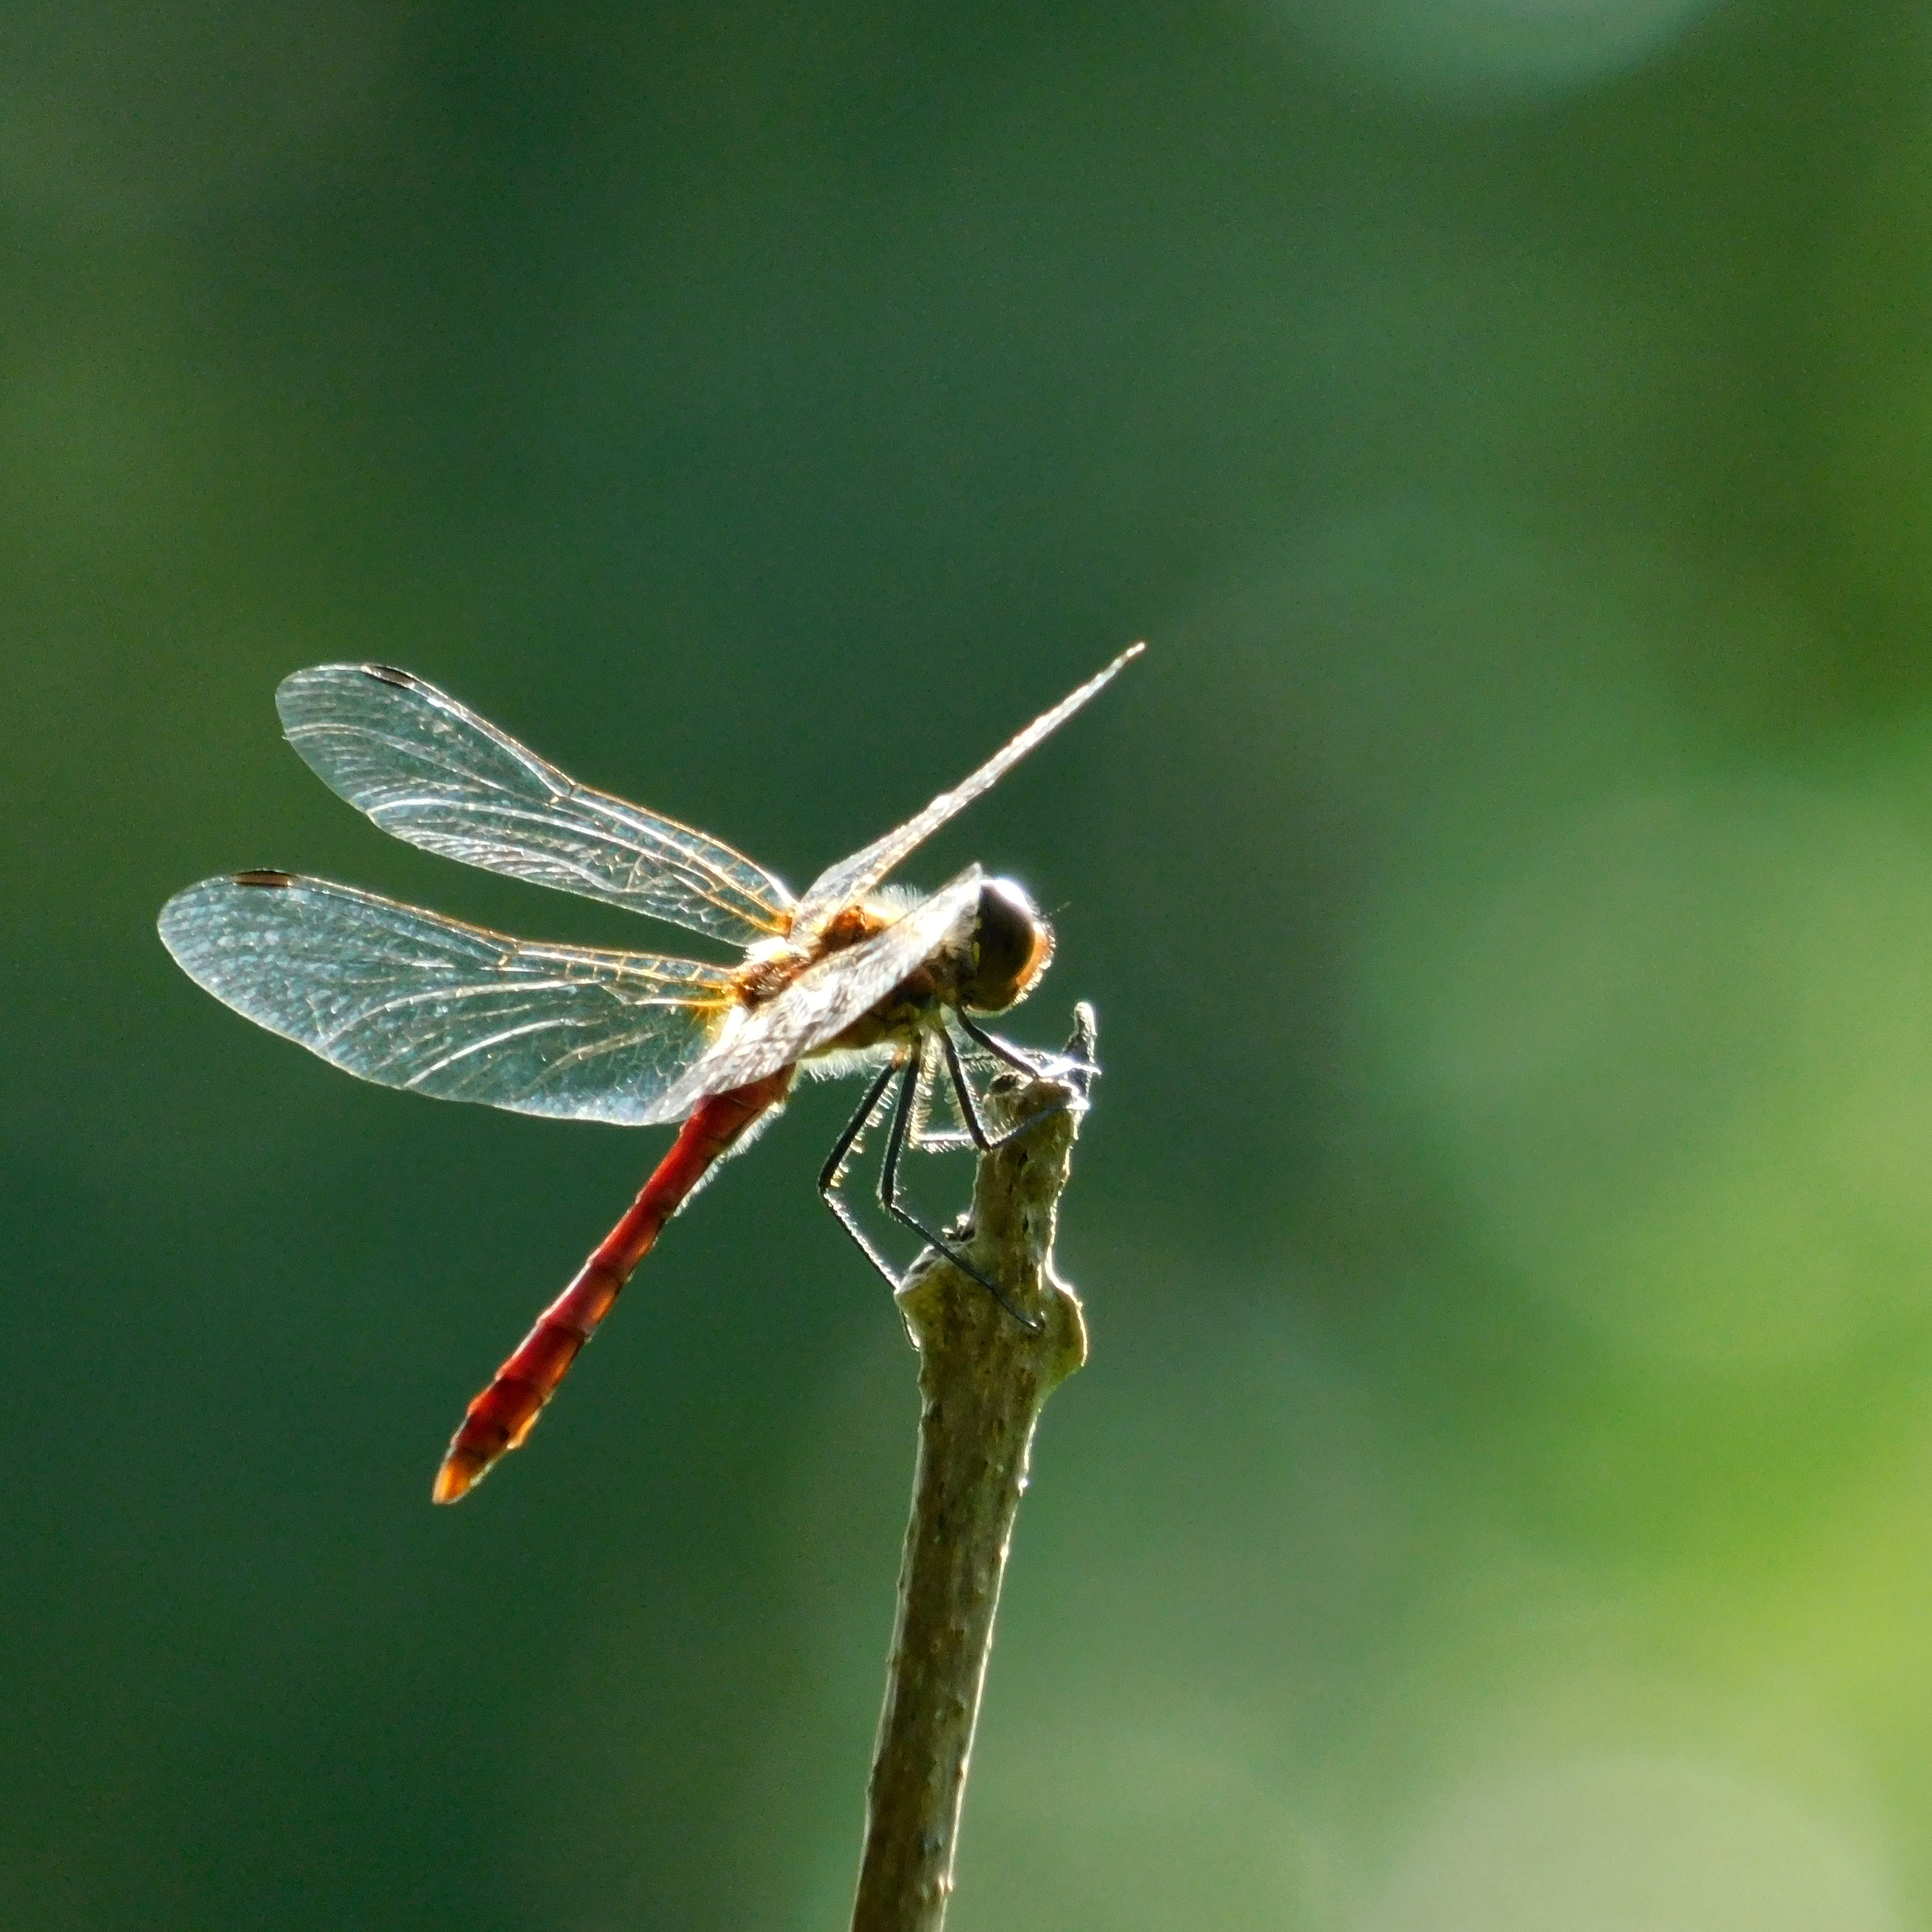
(1012, 946)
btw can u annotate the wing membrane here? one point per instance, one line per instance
(432, 772)
(826, 998)
(852, 878)
(410, 999)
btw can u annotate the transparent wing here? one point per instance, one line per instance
(432, 772)
(827, 998)
(410, 999)
(852, 878)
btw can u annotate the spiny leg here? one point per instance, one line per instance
(969, 1106)
(924, 1138)
(889, 1191)
(832, 1173)
(1076, 1063)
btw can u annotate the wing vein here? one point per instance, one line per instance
(411, 1000)
(431, 772)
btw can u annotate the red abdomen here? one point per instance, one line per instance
(505, 1412)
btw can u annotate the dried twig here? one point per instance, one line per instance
(985, 1377)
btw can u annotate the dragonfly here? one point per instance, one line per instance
(855, 977)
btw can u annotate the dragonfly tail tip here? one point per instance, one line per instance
(453, 1481)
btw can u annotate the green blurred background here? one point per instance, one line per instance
(1500, 1499)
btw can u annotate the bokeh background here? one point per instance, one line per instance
(1500, 1498)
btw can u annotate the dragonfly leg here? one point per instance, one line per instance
(832, 1173)
(922, 1137)
(1076, 1063)
(889, 1192)
(969, 1104)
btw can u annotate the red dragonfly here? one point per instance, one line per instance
(849, 978)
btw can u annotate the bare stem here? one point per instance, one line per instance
(984, 1377)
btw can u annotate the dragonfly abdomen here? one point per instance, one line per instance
(500, 1418)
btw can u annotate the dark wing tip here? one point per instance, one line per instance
(389, 674)
(264, 878)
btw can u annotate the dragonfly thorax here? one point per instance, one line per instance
(771, 964)
(991, 964)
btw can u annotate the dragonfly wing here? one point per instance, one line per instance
(410, 999)
(828, 996)
(431, 771)
(852, 878)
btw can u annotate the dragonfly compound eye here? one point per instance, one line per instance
(1013, 947)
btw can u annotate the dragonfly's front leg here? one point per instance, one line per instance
(1075, 1062)
(977, 1134)
(889, 1185)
